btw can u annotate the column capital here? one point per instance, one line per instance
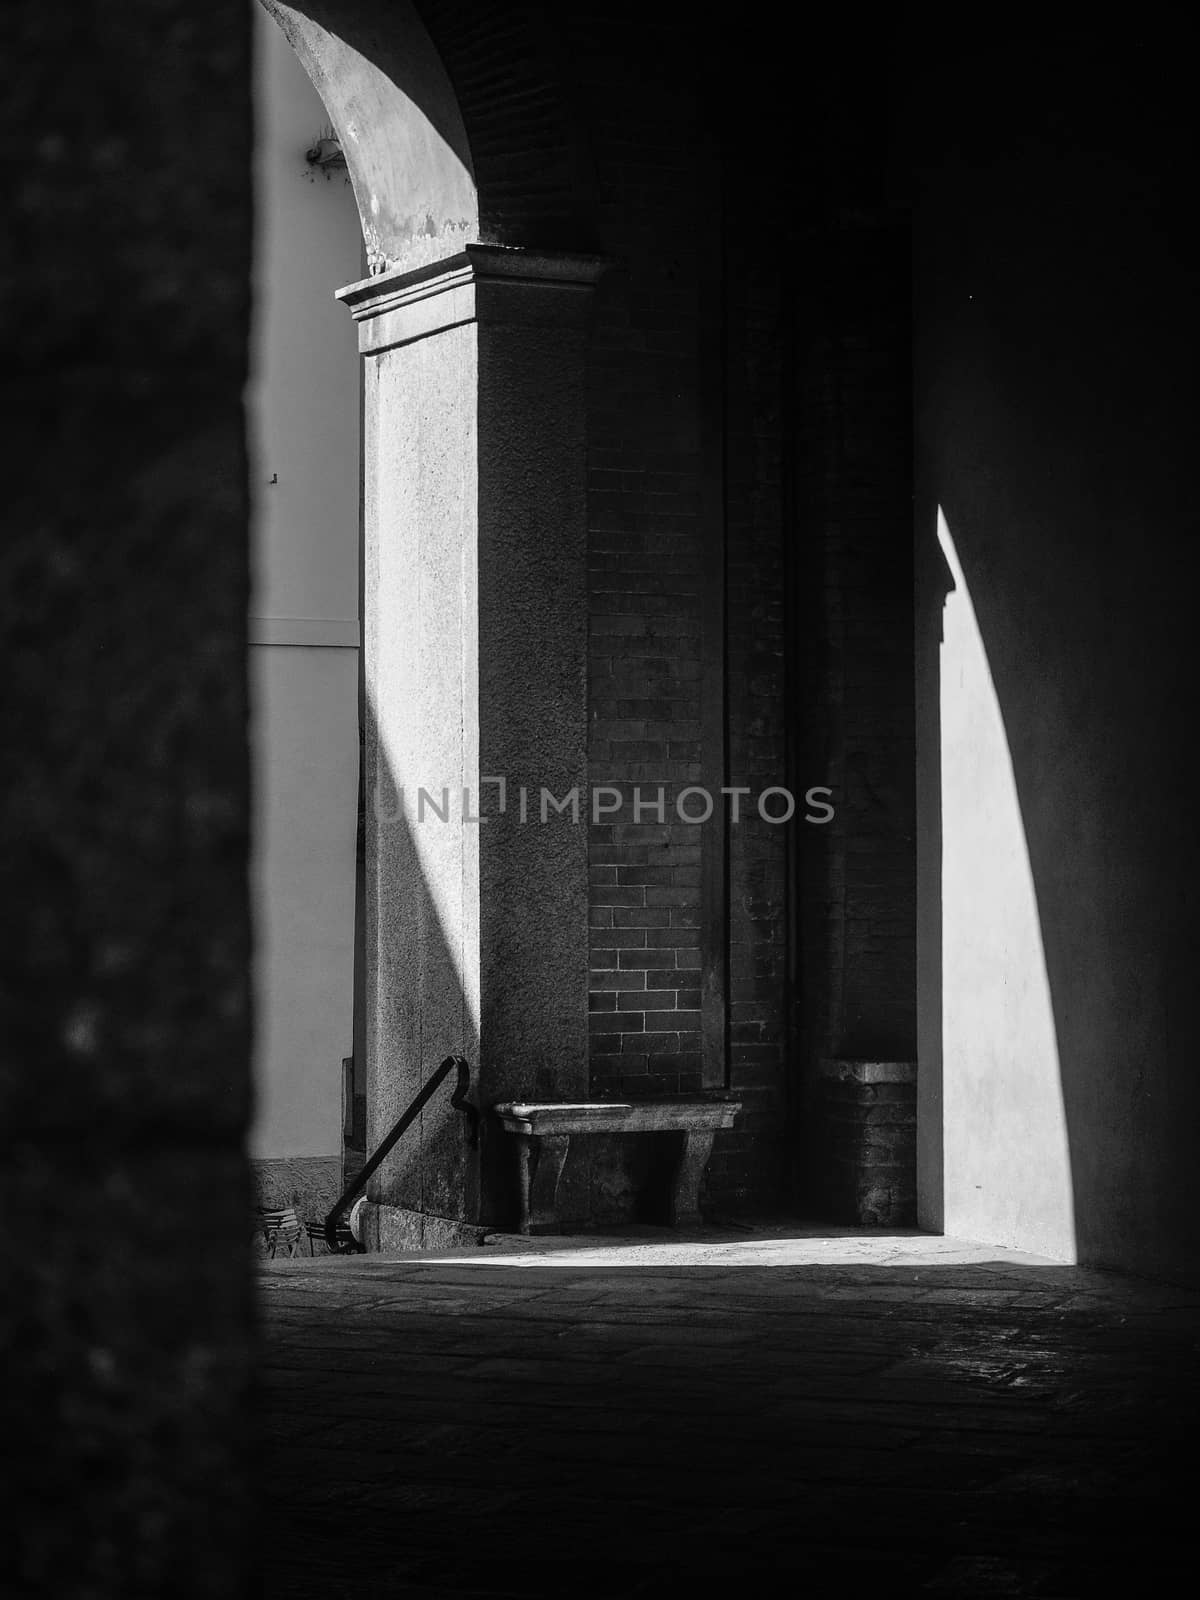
(485, 283)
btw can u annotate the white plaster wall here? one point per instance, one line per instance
(1006, 1154)
(305, 807)
(303, 397)
(303, 407)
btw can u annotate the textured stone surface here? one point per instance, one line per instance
(126, 1337)
(533, 692)
(125, 582)
(733, 1414)
(422, 667)
(309, 1183)
(394, 110)
(123, 585)
(391, 1229)
(474, 464)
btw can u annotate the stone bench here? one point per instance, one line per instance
(543, 1131)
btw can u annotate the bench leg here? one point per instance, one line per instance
(540, 1163)
(685, 1186)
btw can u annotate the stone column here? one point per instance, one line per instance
(475, 644)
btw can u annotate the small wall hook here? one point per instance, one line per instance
(326, 150)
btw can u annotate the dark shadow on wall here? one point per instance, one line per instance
(852, 701)
(125, 1013)
(418, 1008)
(419, 992)
(1057, 418)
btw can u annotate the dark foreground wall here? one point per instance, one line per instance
(1056, 332)
(123, 1077)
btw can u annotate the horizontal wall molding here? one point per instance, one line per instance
(332, 633)
(495, 284)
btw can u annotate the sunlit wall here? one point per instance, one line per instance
(1006, 1156)
(303, 411)
(1055, 399)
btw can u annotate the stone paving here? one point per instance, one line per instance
(725, 1413)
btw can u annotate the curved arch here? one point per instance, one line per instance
(474, 463)
(442, 149)
(529, 134)
(397, 117)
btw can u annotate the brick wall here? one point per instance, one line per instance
(749, 1167)
(859, 482)
(853, 649)
(866, 1173)
(749, 553)
(646, 572)
(689, 947)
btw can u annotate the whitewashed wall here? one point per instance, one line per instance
(303, 407)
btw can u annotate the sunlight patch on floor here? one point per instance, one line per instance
(771, 1246)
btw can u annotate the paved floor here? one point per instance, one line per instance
(734, 1413)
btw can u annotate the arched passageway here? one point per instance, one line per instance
(1056, 427)
(581, 570)
(474, 626)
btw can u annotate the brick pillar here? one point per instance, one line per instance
(475, 641)
(868, 1156)
(852, 624)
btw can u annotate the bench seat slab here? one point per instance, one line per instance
(543, 1131)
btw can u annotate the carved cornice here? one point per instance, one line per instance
(487, 283)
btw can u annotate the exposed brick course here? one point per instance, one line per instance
(646, 571)
(752, 381)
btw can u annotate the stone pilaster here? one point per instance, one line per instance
(475, 644)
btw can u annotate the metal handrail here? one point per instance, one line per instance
(457, 1100)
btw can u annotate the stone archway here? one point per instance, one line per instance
(475, 614)
(397, 118)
